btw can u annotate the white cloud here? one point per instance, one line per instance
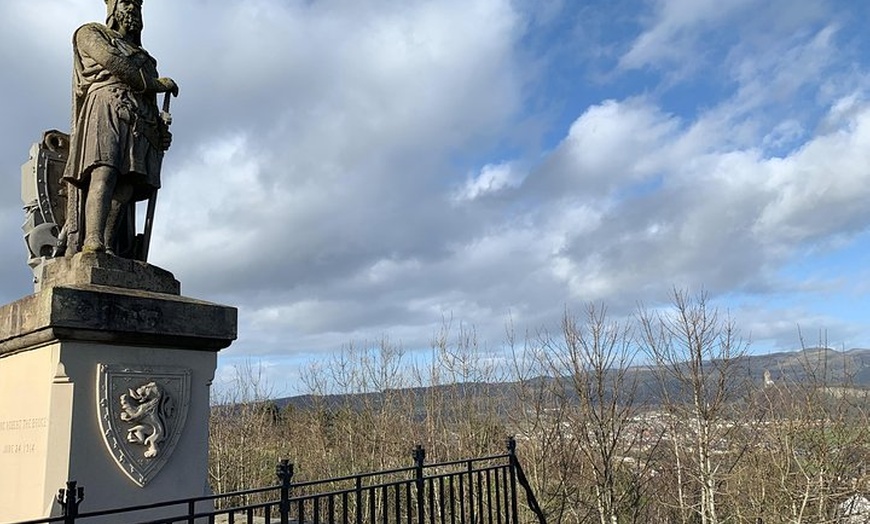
(683, 37)
(491, 179)
(200, 202)
(823, 188)
(346, 115)
(787, 328)
(716, 215)
(612, 144)
(672, 39)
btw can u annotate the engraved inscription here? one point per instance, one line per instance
(22, 424)
(22, 448)
(148, 318)
(17, 435)
(140, 316)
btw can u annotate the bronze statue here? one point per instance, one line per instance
(118, 135)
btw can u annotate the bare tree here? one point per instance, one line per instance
(593, 360)
(464, 403)
(243, 428)
(581, 413)
(552, 463)
(815, 436)
(696, 352)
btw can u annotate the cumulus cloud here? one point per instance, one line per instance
(491, 179)
(822, 189)
(612, 146)
(720, 218)
(361, 105)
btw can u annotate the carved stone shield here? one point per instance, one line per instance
(142, 411)
(44, 195)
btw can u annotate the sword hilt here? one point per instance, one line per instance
(165, 115)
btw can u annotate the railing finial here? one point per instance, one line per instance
(419, 455)
(284, 470)
(69, 498)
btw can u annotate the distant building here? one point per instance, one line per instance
(768, 381)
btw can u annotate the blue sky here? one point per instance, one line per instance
(345, 170)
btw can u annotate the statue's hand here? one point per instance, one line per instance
(167, 85)
(165, 139)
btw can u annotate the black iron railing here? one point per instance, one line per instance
(480, 490)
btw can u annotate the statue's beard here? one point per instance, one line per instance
(131, 22)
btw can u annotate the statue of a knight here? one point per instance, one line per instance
(118, 134)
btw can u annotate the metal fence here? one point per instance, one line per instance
(480, 490)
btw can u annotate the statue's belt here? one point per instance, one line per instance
(145, 122)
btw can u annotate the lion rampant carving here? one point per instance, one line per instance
(147, 408)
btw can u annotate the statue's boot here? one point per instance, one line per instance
(117, 208)
(93, 245)
(97, 206)
(111, 232)
(94, 236)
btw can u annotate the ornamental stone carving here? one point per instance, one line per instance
(142, 412)
(147, 408)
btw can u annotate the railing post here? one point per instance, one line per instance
(470, 469)
(285, 475)
(419, 460)
(69, 499)
(512, 456)
(359, 501)
(524, 482)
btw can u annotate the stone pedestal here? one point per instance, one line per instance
(107, 385)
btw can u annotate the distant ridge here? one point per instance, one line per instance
(823, 366)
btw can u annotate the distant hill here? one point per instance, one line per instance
(850, 367)
(822, 366)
